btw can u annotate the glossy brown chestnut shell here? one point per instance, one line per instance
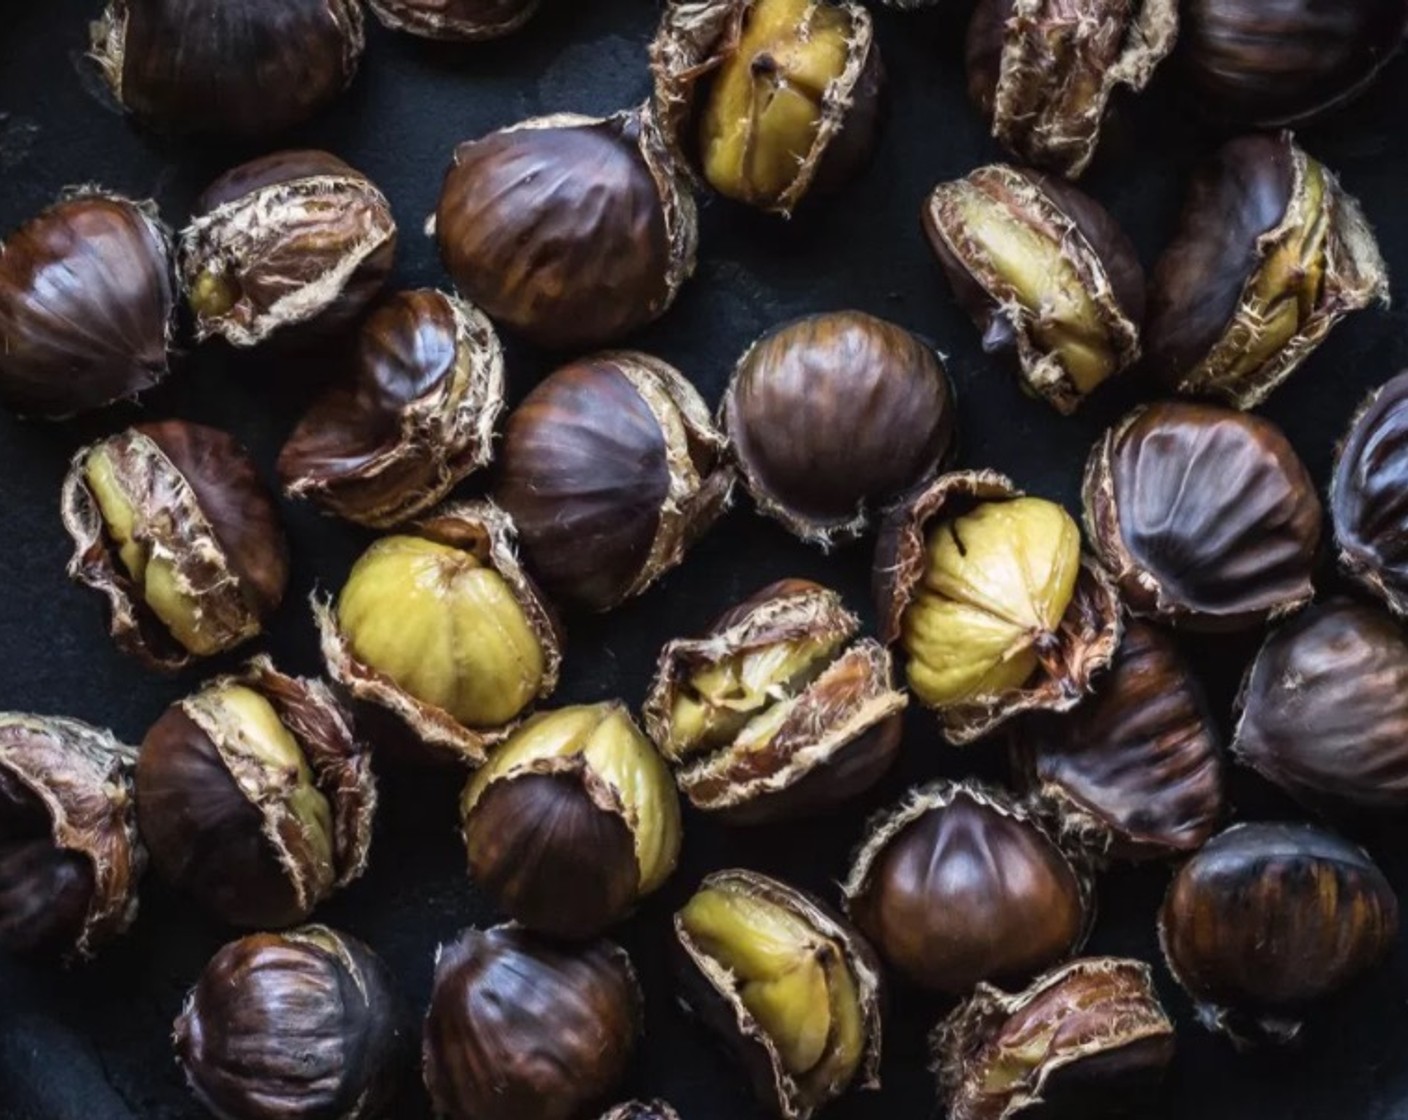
(522, 1029)
(574, 231)
(301, 1024)
(70, 860)
(464, 21)
(1269, 918)
(87, 297)
(642, 1110)
(1206, 517)
(832, 417)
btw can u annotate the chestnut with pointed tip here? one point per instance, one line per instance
(458, 21)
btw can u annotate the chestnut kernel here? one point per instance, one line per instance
(642, 1110)
(463, 21)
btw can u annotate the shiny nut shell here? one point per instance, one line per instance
(461, 21)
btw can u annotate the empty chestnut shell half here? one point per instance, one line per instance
(833, 417)
(298, 1024)
(1270, 254)
(87, 299)
(521, 1028)
(1269, 918)
(1043, 269)
(1206, 517)
(642, 1110)
(254, 796)
(173, 525)
(462, 21)
(959, 883)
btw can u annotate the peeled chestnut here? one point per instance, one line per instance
(792, 989)
(521, 1028)
(777, 711)
(465, 21)
(299, 1024)
(254, 796)
(1269, 918)
(1271, 253)
(832, 417)
(171, 522)
(574, 231)
(289, 246)
(959, 884)
(611, 469)
(642, 1110)
(1041, 268)
(988, 594)
(1088, 1038)
(416, 417)
(87, 298)
(70, 860)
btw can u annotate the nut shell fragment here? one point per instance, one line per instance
(459, 21)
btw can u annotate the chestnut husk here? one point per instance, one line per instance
(573, 231)
(642, 1110)
(520, 1028)
(203, 507)
(1205, 517)
(416, 418)
(87, 305)
(299, 1024)
(459, 21)
(1268, 919)
(70, 858)
(832, 417)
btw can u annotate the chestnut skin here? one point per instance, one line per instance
(458, 21)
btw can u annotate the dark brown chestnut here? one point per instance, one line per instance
(463, 21)
(172, 524)
(520, 1028)
(1206, 517)
(642, 1110)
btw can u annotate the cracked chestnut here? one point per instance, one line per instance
(460, 21)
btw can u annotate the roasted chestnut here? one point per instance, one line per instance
(1206, 517)
(1269, 918)
(439, 627)
(70, 860)
(171, 522)
(298, 1024)
(572, 821)
(792, 989)
(243, 68)
(87, 298)
(611, 469)
(776, 712)
(574, 231)
(288, 246)
(1271, 253)
(994, 605)
(521, 1028)
(465, 21)
(642, 1110)
(768, 100)
(959, 883)
(1086, 1039)
(416, 417)
(254, 796)
(1041, 268)
(1136, 771)
(834, 416)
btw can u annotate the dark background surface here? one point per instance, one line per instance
(92, 1043)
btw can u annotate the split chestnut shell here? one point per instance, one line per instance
(462, 21)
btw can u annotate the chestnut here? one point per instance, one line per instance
(768, 100)
(298, 1024)
(463, 21)
(1042, 269)
(1087, 1038)
(70, 859)
(254, 796)
(87, 299)
(572, 821)
(292, 245)
(788, 986)
(1270, 254)
(1269, 918)
(959, 883)
(416, 417)
(1206, 517)
(777, 711)
(522, 1028)
(996, 608)
(172, 524)
(642, 1110)
(574, 231)
(611, 469)
(832, 417)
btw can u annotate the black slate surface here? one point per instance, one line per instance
(92, 1044)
